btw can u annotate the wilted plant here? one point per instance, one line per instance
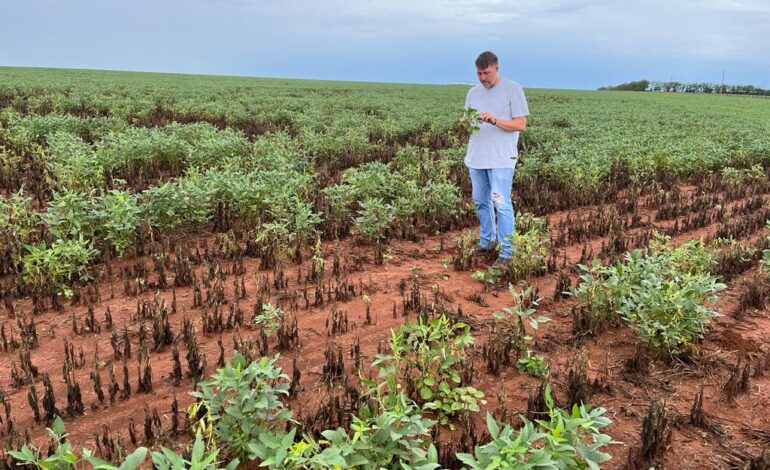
(766, 253)
(466, 248)
(271, 238)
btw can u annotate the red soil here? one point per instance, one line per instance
(626, 400)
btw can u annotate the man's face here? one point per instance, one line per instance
(488, 76)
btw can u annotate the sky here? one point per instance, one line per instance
(540, 43)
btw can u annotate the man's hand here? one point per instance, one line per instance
(487, 117)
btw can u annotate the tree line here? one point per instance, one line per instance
(695, 87)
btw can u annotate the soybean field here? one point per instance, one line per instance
(211, 272)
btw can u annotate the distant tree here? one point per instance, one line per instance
(639, 85)
(705, 87)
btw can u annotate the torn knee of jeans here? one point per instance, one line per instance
(497, 198)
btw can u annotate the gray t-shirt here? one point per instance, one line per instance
(490, 146)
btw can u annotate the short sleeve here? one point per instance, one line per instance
(519, 106)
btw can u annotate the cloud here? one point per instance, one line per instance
(320, 37)
(705, 29)
(716, 30)
(745, 6)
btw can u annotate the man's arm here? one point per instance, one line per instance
(516, 124)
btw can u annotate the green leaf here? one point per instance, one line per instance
(358, 460)
(198, 448)
(432, 454)
(135, 459)
(58, 426)
(25, 455)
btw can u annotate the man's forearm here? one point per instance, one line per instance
(512, 125)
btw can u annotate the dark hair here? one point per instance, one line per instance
(485, 59)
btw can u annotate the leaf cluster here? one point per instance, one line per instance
(659, 291)
(566, 440)
(434, 353)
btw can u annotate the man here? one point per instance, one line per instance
(492, 153)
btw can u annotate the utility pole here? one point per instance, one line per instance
(722, 87)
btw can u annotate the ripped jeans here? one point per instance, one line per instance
(492, 191)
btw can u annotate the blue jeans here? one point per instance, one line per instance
(492, 191)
